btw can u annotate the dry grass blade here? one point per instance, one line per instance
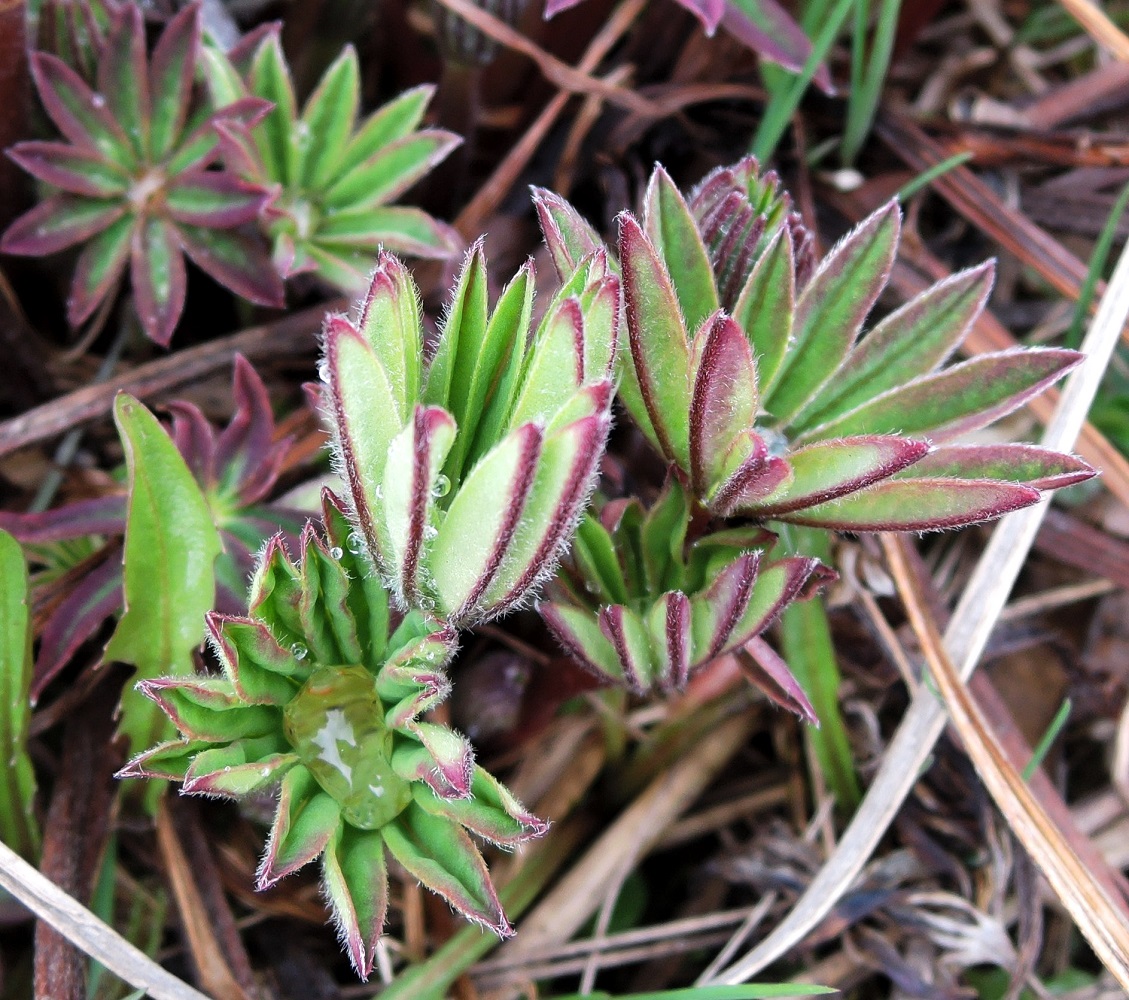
(1099, 918)
(965, 639)
(83, 929)
(1099, 27)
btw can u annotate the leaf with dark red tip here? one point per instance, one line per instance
(123, 78)
(959, 399)
(171, 72)
(580, 635)
(716, 612)
(777, 585)
(769, 30)
(157, 275)
(632, 642)
(490, 812)
(305, 820)
(213, 199)
(669, 622)
(104, 515)
(79, 113)
(918, 505)
(237, 261)
(72, 169)
(58, 223)
(568, 236)
(1028, 464)
(355, 878)
(771, 675)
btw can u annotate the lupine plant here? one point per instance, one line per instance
(79, 545)
(332, 179)
(136, 178)
(321, 694)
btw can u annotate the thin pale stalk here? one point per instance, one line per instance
(965, 639)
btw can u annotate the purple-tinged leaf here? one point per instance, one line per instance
(918, 505)
(660, 354)
(602, 304)
(157, 275)
(201, 147)
(481, 522)
(57, 223)
(79, 616)
(400, 229)
(208, 708)
(568, 236)
(240, 154)
(777, 585)
(72, 169)
(237, 261)
(389, 172)
(355, 878)
(908, 343)
(566, 472)
(171, 72)
(232, 772)
(732, 232)
(831, 310)
(409, 479)
(104, 515)
(674, 235)
(443, 858)
(632, 642)
(168, 761)
(214, 200)
(327, 120)
(766, 307)
(771, 675)
(724, 400)
(757, 475)
(99, 269)
(669, 622)
(829, 469)
(258, 668)
(491, 812)
(770, 31)
(959, 399)
(1028, 464)
(80, 114)
(247, 458)
(579, 634)
(716, 612)
(195, 439)
(451, 759)
(305, 820)
(123, 78)
(390, 321)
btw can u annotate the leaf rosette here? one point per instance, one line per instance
(321, 695)
(757, 384)
(467, 476)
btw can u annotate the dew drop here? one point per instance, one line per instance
(430, 531)
(355, 543)
(442, 486)
(98, 100)
(299, 651)
(336, 552)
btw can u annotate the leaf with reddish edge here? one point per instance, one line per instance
(759, 475)
(669, 623)
(959, 399)
(355, 878)
(451, 759)
(717, 611)
(410, 474)
(1028, 464)
(724, 401)
(57, 223)
(237, 261)
(258, 668)
(389, 172)
(104, 515)
(246, 454)
(78, 617)
(771, 32)
(554, 368)
(169, 761)
(829, 469)
(768, 672)
(171, 71)
(660, 354)
(831, 310)
(673, 233)
(76, 111)
(631, 640)
(390, 322)
(581, 637)
(157, 275)
(123, 78)
(329, 115)
(202, 197)
(777, 585)
(918, 505)
(490, 812)
(475, 536)
(195, 440)
(568, 236)
(444, 859)
(233, 771)
(99, 268)
(71, 169)
(209, 708)
(906, 344)
(305, 820)
(766, 306)
(400, 229)
(201, 147)
(451, 373)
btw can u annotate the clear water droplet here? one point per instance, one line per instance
(98, 100)
(299, 651)
(355, 543)
(430, 531)
(442, 486)
(336, 552)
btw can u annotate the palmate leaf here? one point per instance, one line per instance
(170, 545)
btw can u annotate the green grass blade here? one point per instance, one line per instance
(868, 72)
(1096, 269)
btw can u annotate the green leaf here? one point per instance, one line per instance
(766, 307)
(390, 171)
(270, 79)
(675, 236)
(395, 120)
(399, 229)
(327, 120)
(554, 367)
(171, 544)
(18, 828)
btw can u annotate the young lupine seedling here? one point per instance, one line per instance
(80, 544)
(466, 478)
(333, 179)
(136, 179)
(643, 603)
(75, 31)
(757, 387)
(322, 690)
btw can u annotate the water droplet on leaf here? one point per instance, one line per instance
(298, 651)
(355, 543)
(442, 486)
